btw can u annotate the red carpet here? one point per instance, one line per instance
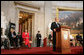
(40, 50)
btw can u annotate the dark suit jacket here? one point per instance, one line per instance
(78, 37)
(54, 26)
(38, 36)
(10, 35)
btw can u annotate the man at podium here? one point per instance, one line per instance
(54, 25)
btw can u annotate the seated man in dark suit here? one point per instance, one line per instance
(79, 38)
(54, 25)
(19, 36)
(13, 38)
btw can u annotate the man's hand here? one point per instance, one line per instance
(54, 30)
(51, 38)
(14, 36)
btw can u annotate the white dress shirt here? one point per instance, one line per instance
(57, 24)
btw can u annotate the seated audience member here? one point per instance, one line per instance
(25, 36)
(20, 39)
(72, 40)
(50, 40)
(79, 39)
(5, 42)
(13, 38)
(30, 38)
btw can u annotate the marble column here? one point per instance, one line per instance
(17, 20)
(47, 15)
(3, 22)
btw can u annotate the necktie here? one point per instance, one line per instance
(57, 25)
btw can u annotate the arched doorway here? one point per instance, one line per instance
(25, 22)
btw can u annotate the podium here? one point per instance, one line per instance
(62, 39)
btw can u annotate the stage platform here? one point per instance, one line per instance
(39, 50)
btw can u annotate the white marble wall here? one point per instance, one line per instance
(10, 12)
(3, 22)
(48, 16)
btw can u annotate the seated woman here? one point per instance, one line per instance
(25, 36)
(5, 41)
